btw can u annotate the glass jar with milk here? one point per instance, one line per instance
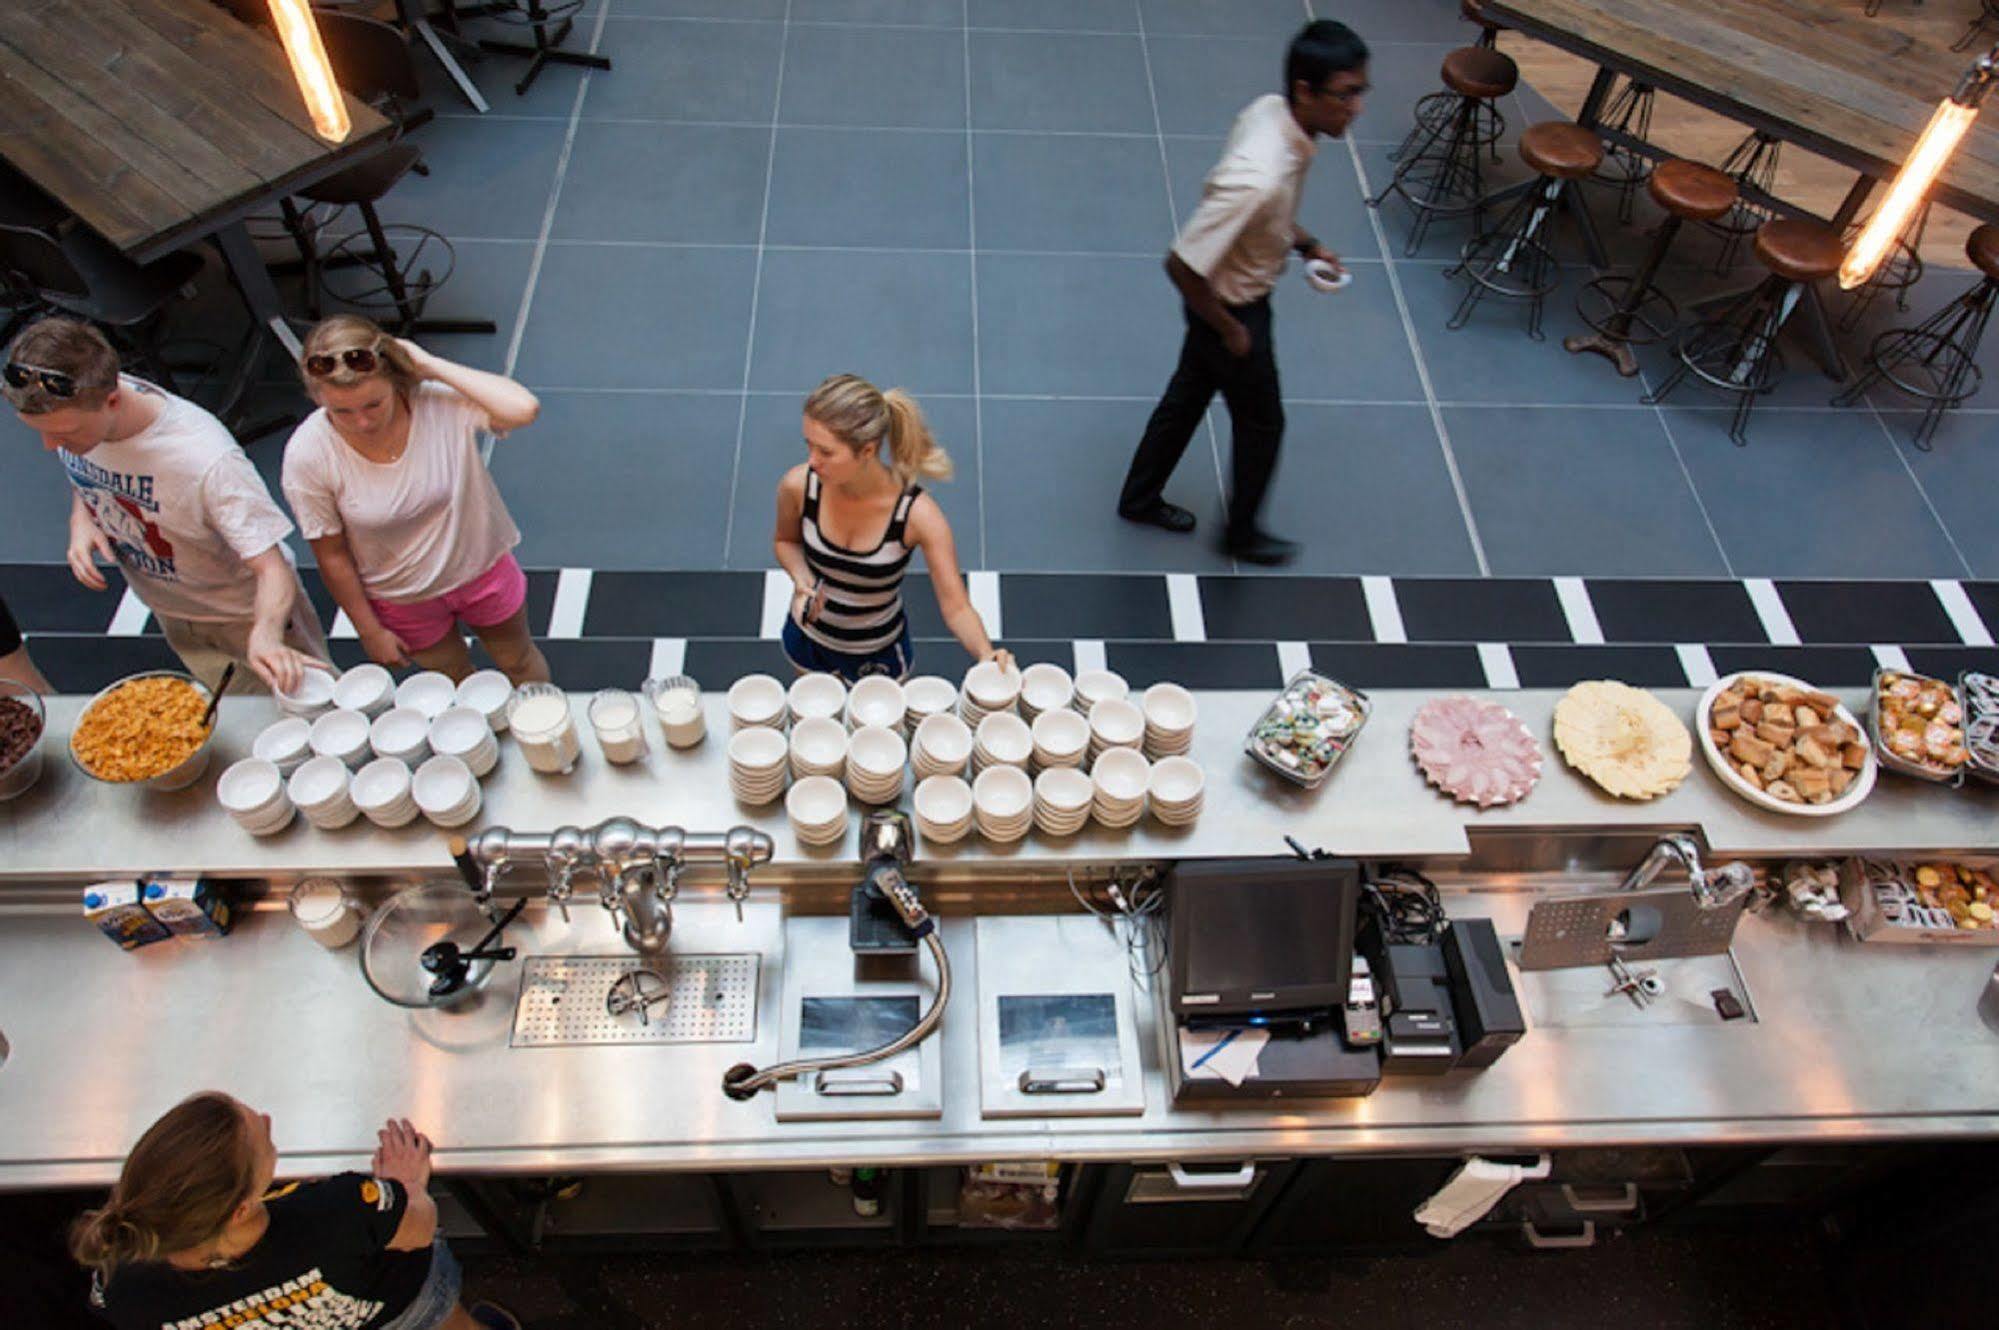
(544, 727)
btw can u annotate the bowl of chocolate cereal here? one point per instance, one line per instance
(146, 729)
(22, 724)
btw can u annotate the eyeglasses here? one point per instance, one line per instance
(53, 381)
(360, 359)
(1350, 95)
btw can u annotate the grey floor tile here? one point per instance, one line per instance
(34, 499)
(1840, 463)
(1569, 491)
(919, 13)
(689, 183)
(1076, 326)
(1366, 491)
(1082, 15)
(732, 9)
(874, 76)
(1349, 346)
(488, 179)
(1278, 19)
(772, 446)
(1960, 472)
(1332, 207)
(1059, 81)
(688, 71)
(561, 479)
(686, 328)
(487, 280)
(553, 94)
(1388, 21)
(1055, 469)
(1398, 75)
(1203, 83)
(1070, 192)
(894, 318)
(863, 187)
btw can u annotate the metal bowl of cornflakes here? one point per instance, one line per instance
(145, 730)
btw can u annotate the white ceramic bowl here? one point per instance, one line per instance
(1064, 790)
(820, 695)
(382, 791)
(944, 740)
(367, 689)
(943, 802)
(313, 696)
(929, 695)
(991, 687)
(486, 692)
(758, 750)
(757, 699)
(1117, 723)
(446, 790)
(1175, 782)
(285, 744)
(401, 732)
(878, 701)
(463, 733)
(1169, 709)
(1003, 794)
(320, 789)
(427, 692)
(817, 806)
(876, 754)
(1060, 737)
(1093, 686)
(1120, 775)
(818, 746)
(252, 791)
(1045, 687)
(1004, 738)
(341, 734)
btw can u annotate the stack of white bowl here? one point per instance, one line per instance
(285, 744)
(876, 700)
(943, 807)
(253, 792)
(818, 747)
(820, 695)
(817, 806)
(1174, 790)
(486, 692)
(367, 689)
(1119, 776)
(463, 733)
(941, 747)
(925, 696)
(1044, 687)
(446, 791)
(756, 764)
(1002, 740)
(1061, 739)
(402, 733)
(342, 735)
(757, 699)
(1062, 799)
(875, 758)
(988, 688)
(312, 698)
(1169, 720)
(383, 794)
(1003, 803)
(428, 692)
(1093, 686)
(1115, 722)
(320, 789)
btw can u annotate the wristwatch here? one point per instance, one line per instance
(1304, 246)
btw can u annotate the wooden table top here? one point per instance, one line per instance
(1853, 89)
(157, 121)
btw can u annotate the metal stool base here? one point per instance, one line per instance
(1512, 261)
(1934, 362)
(1737, 352)
(1442, 177)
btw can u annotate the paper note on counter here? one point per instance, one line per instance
(1226, 1055)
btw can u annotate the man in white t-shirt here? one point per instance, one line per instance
(159, 485)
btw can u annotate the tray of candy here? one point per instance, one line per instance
(1935, 902)
(1979, 695)
(1304, 732)
(1917, 724)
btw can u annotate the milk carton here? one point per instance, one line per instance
(189, 906)
(120, 914)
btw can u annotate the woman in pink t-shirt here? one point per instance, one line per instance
(408, 527)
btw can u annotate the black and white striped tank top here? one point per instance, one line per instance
(861, 612)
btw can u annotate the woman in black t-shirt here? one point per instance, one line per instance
(195, 1235)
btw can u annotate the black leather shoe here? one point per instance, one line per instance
(1164, 515)
(1261, 548)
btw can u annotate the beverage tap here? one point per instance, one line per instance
(568, 851)
(744, 848)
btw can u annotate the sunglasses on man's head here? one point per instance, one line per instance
(360, 359)
(53, 381)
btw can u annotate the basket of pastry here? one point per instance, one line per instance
(1953, 902)
(1918, 726)
(1785, 745)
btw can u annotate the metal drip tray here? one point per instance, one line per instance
(698, 999)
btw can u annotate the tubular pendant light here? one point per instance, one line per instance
(1953, 119)
(323, 98)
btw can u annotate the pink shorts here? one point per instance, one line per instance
(494, 596)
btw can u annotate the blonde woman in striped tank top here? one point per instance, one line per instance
(848, 521)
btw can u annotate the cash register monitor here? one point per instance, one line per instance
(1261, 937)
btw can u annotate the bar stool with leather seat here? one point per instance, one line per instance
(1440, 176)
(1434, 109)
(1937, 360)
(1736, 351)
(1627, 311)
(1514, 259)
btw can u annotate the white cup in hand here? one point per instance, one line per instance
(1325, 276)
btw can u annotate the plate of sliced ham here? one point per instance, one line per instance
(1476, 751)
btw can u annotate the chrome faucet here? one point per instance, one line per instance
(1713, 888)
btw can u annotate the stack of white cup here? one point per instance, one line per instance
(446, 791)
(463, 733)
(943, 807)
(941, 747)
(756, 764)
(818, 747)
(1003, 803)
(1043, 688)
(925, 696)
(367, 689)
(1002, 740)
(320, 789)
(312, 698)
(342, 735)
(875, 758)
(1061, 739)
(486, 692)
(758, 699)
(1062, 797)
(876, 700)
(816, 695)
(402, 733)
(1115, 722)
(1093, 686)
(1174, 790)
(1169, 720)
(285, 744)
(988, 688)
(1119, 775)
(427, 692)
(817, 807)
(382, 792)
(253, 792)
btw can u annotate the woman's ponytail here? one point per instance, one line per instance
(861, 414)
(178, 1189)
(913, 451)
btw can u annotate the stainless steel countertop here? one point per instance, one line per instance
(1374, 805)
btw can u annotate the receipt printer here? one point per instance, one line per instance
(1419, 1034)
(1488, 1013)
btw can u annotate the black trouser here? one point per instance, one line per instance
(1256, 416)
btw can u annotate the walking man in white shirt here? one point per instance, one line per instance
(1224, 264)
(159, 485)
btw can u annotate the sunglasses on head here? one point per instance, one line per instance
(53, 381)
(360, 359)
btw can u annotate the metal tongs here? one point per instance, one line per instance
(452, 967)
